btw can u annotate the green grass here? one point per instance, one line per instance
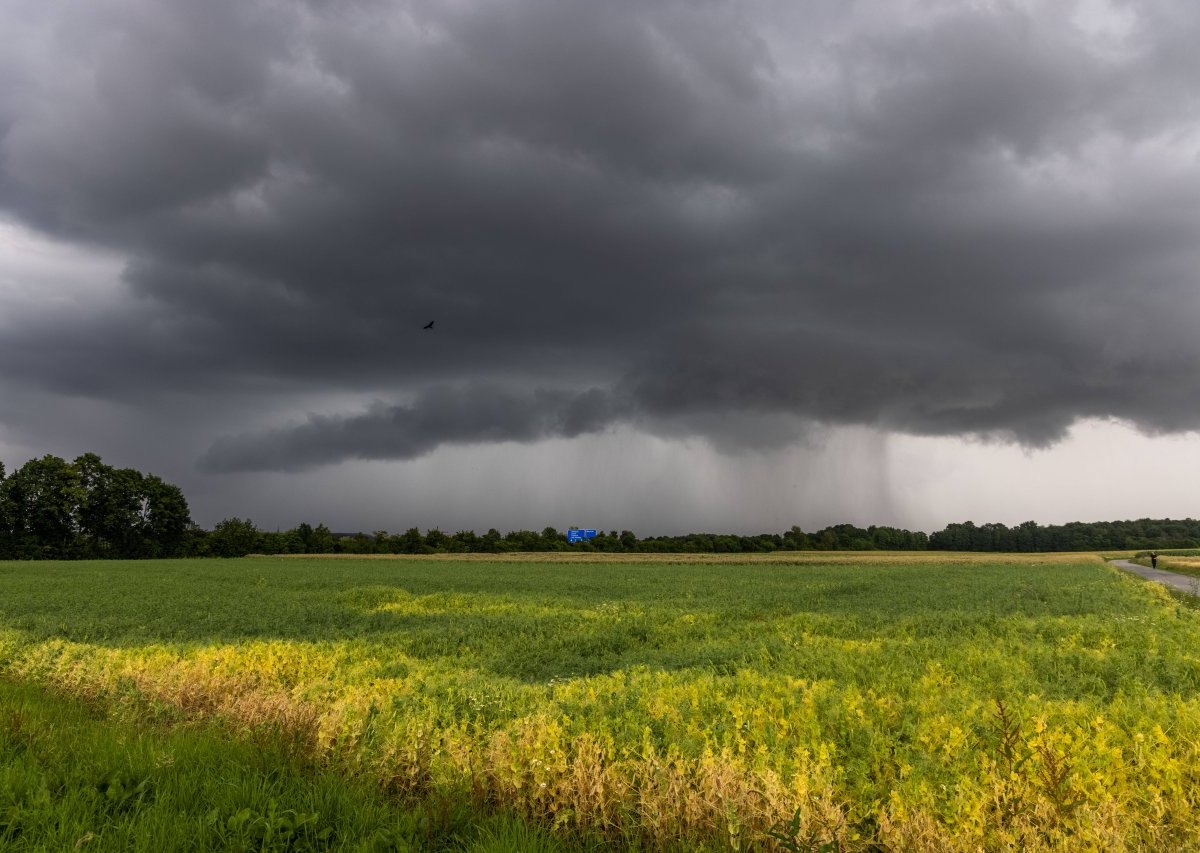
(74, 776)
(916, 701)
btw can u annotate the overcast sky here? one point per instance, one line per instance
(691, 265)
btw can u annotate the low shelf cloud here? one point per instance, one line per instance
(475, 415)
(744, 224)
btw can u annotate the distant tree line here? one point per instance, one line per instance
(1076, 536)
(54, 509)
(237, 536)
(967, 536)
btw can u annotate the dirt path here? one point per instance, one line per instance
(1184, 583)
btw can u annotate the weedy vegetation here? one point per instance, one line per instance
(124, 777)
(803, 702)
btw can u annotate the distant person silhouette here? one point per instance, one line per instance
(1154, 559)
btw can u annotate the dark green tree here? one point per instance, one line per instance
(322, 541)
(412, 541)
(233, 537)
(43, 497)
(552, 540)
(464, 540)
(435, 540)
(304, 531)
(165, 517)
(112, 510)
(490, 541)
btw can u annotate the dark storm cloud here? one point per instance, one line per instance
(439, 416)
(934, 218)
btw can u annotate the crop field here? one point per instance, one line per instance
(801, 701)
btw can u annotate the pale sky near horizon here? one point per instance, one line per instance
(692, 265)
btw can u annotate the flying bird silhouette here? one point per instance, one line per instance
(428, 325)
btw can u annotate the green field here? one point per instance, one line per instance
(83, 776)
(910, 702)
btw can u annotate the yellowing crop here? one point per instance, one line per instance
(908, 702)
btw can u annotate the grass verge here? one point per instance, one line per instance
(76, 776)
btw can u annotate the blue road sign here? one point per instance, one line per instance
(577, 535)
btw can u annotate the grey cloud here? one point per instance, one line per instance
(732, 221)
(440, 415)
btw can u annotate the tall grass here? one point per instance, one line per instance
(74, 776)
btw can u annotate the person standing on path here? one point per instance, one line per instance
(1154, 559)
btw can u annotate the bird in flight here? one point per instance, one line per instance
(428, 325)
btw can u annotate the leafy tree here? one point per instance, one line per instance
(52, 508)
(796, 540)
(435, 540)
(552, 540)
(195, 541)
(269, 542)
(412, 541)
(464, 540)
(233, 537)
(306, 539)
(359, 543)
(123, 513)
(304, 532)
(106, 511)
(165, 516)
(490, 541)
(322, 541)
(43, 497)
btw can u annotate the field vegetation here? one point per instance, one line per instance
(834, 701)
(132, 776)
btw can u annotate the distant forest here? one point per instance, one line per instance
(54, 509)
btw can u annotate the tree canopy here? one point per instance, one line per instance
(54, 509)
